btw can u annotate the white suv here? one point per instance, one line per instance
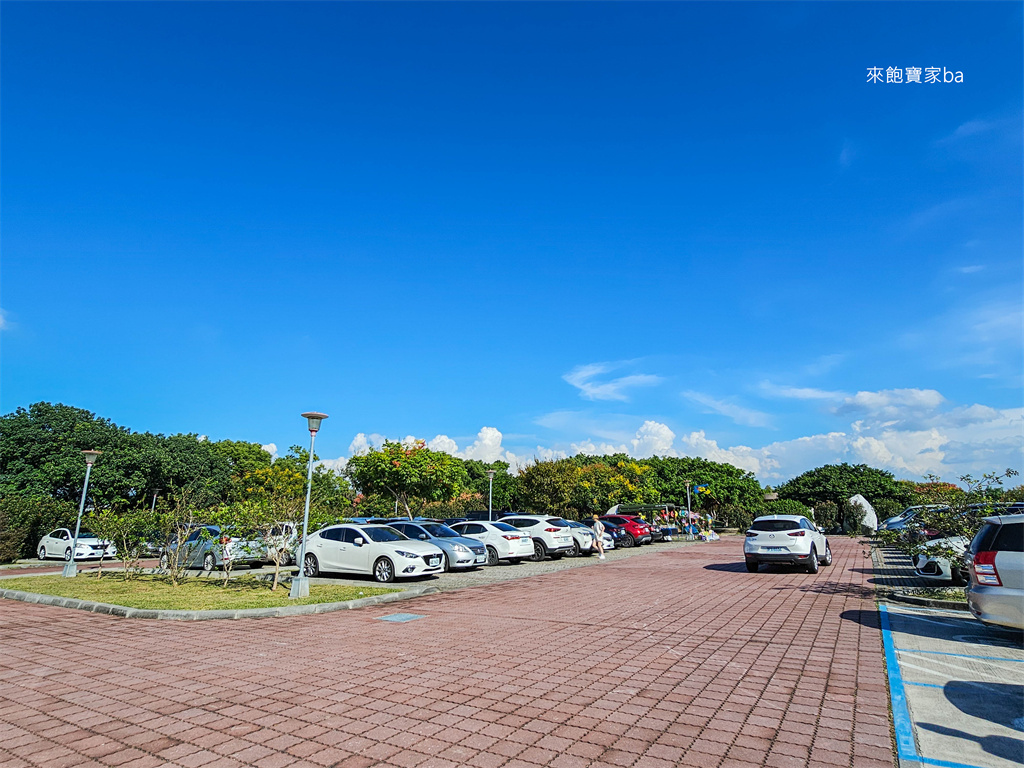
(551, 535)
(790, 539)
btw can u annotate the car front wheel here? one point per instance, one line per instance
(67, 554)
(165, 561)
(209, 562)
(575, 550)
(42, 553)
(384, 571)
(828, 555)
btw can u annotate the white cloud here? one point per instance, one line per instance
(652, 439)
(737, 413)
(443, 443)
(362, 443)
(800, 393)
(582, 377)
(335, 465)
(893, 406)
(270, 448)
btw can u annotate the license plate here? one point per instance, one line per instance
(434, 561)
(481, 558)
(775, 549)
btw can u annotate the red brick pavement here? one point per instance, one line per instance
(673, 658)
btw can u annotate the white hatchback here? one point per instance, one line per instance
(786, 539)
(503, 542)
(379, 550)
(58, 544)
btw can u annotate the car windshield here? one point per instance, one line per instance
(86, 535)
(384, 533)
(774, 525)
(504, 527)
(441, 531)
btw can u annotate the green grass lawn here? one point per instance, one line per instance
(196, 594)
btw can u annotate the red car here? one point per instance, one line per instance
(639, 531)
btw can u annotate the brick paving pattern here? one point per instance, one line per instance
(671, 658)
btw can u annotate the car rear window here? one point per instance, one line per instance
(558, 521)
(503, 526)
(1008, 537)
(775, 525)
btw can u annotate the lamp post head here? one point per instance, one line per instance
(91, 456)
(490, 473)
(314, 420)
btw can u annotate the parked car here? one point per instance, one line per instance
(210, 546)
(995, 561)
(459, 551)
(934, 567)
(618, 534)
(906, 517)
(378, 550)
(551, 535)
(282, 539)
(637, 529)
(502, 541)
(58, 543)
(790, 539)
(606, 538)
(582, 540)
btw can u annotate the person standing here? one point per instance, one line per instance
(599, 536)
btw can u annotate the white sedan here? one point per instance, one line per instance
(932, 566)
(379, 550)
(503, 542)
(786, 539)
(58, 544)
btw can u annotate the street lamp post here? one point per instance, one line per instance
(152, 509)
(490, 494)
(71, 567)
(300, 584)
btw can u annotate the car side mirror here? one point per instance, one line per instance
(358, 542)
(820, 529)
(423, 536)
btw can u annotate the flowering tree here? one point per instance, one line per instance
(407, 472)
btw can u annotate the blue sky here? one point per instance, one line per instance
(521, 230)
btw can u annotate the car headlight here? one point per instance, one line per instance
(461, 549)
(410, 555)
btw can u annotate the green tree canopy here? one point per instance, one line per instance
(838, 482)
(407, 472)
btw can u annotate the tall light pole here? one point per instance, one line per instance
(152, 509)
(490, 493)
(71, 567)
(300, 584)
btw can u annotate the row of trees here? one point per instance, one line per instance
(41, 474)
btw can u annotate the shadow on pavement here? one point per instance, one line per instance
(1000, 746)
(1000, 703)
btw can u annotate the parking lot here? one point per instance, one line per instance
(669, 657)
(957, 688)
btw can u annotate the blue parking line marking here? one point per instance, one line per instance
(959, 655)
(906, 748)
(924, 685)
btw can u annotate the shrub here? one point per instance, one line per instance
(787, 507)
(826, 515)
(26, 519)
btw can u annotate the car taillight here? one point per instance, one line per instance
(551, 530)
(224, 539)
(796, 533)
(509, 538)
(985, 572)
(751, 533)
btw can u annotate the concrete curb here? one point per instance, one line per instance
(246, 613)
(952, 605)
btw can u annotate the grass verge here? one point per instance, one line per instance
(156, 592)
